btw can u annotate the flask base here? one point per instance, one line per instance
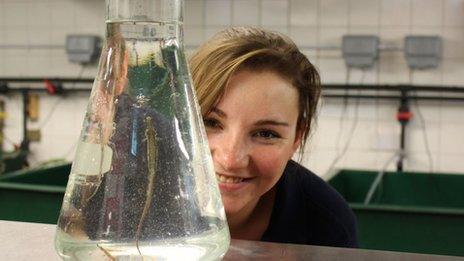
(206, 246)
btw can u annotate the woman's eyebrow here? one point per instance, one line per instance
(219, 112)
(222, 114)
(271, 122)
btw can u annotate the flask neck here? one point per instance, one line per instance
(166, 11)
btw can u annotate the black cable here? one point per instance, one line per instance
(425, 136)
(341, 123)
(350, 137)
(352, 130)
(50, 113)
(423, 125)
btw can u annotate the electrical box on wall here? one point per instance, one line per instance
(422, 52)
(83, 49)
(33, 107)
(360, 51)
(34, 135)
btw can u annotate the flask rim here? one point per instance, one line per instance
(159, 11)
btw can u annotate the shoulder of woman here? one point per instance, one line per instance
(313, 187)
(322, 200)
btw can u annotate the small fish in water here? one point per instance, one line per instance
(150, 136)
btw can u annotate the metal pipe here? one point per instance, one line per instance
(22, 89)
(394, 88)
(372, 87)
(399, 164)
(40, 80)
(2, 125)
(392, 97)
(25, 96)
(30, 47)
(403, 116)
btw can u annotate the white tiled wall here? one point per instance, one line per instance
(246, 16)
(196, 13)
(395, 13)
(427, 13)
(304, 12)
(310, 23)
(364, 13)
(333, 13)
(274, 13)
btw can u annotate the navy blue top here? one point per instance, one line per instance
(309, 211)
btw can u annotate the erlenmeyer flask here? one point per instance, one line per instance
(142, 184)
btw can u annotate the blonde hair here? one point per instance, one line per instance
(255, 49)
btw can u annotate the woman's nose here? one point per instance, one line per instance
(231, 153)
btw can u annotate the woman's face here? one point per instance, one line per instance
(252, 135)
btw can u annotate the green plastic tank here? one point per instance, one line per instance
(408, 211)
(33, 195)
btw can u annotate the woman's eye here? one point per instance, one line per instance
(211, 123)
(267, 134)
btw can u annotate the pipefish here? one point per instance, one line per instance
(150, 135)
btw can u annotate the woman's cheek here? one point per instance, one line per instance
(212, 139)
(270, 162)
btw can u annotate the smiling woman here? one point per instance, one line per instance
(258, 95)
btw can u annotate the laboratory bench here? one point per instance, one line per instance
(34, 241)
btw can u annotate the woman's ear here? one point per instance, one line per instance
(298, 139)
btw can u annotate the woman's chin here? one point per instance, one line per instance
(231, 208)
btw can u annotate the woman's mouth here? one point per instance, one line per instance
(228, 179)
(230, 183)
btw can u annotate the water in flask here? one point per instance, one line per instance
(142, 185)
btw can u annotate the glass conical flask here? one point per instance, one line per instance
(142, 184)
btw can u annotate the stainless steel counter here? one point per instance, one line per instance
(33, 241)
